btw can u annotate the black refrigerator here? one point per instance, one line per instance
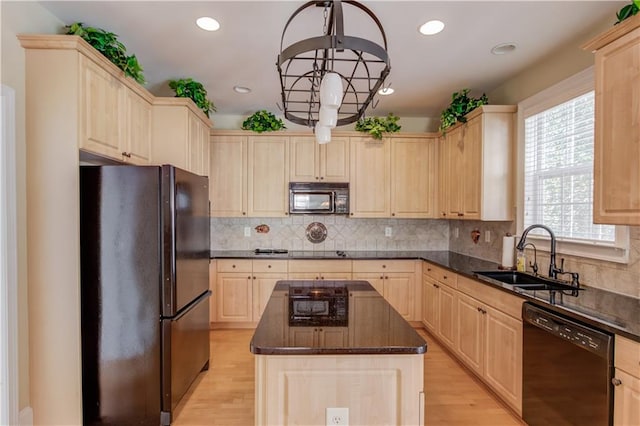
(144, 292)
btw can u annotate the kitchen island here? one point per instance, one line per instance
(370, 364)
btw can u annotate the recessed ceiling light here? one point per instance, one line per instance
(503, 48)
(385, 91)
(208, 24)
(241, 89)
(431, 27)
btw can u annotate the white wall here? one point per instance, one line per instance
(17, 18)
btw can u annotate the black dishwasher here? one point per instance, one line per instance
(567, 369)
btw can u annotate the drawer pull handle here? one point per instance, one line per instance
(233, 266)
(616, 382)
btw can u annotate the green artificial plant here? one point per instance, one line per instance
(189, 88)
(628, 11)
(263, 121)
(376, 126)
(107, 43)
(461, 105)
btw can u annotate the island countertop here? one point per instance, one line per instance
(373, 326)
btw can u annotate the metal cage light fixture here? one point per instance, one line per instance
(361, 64)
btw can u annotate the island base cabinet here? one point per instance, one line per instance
(377, 389)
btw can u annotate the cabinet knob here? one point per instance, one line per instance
(351, 213)
(244, 213)
(249, 277)
(381, 277)
(460, 214)
(286, 213)
(268, 266)
(317, 178)
(386, 277)
(233, 266)
(393, 214)
(616, 382)
(321, 177)
(436, 285)
(254, 278)
(384, 266)
(321, 277)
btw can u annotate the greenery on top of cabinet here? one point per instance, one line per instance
(189, 88)
(263, 121)
(376, 126)
(628, 11)
(461, 105)
(107, 43)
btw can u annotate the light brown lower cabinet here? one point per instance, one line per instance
(311, 337)
(626, 406)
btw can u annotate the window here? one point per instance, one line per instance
(557, 132)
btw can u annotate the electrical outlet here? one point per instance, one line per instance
(456, 232)
(388, 231)
(487, 236)
(247, 231)
(337, 416)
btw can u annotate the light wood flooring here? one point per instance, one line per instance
(224, 394)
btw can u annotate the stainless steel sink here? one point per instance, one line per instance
(524, 281)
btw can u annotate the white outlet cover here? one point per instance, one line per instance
(247, 231)
(388, 231)
(337, 416)
(487, 236)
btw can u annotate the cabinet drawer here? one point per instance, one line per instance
(234, 265)
(627, 355)
(270, 266)
(315, 266)
(384, 266)
(502, 301)
(441, 274)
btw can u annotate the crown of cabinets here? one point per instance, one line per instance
(117, 118)
(476, 166)
(616, 178)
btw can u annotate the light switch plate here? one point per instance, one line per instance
(388, 232)
(247, 231)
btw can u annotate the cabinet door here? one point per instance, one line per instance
(102, 111)
(304, 159)
(369, 177)
(263, 285)
(303, 336)
(334, 160)
(626, 409)
(205, 131)
(399, 290)
(138, 129)
(413, 177)
(472, 169)
(447, 315)
(228, 176)
(616, 192)
(503, 356)
(368, 313)
(430, 303)
(375, 279)
(471, 332)
(234, 294)
(454, 179)
(332, 337)
(194, 144)
(443, 177)
(268, 172)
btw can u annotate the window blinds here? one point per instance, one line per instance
(558, 171)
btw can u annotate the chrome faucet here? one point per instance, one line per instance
(553, 269)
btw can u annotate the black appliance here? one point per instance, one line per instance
(318, 198)
(567, 370)
(144, 290)
(327, 306)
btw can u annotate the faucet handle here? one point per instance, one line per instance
(561, 270)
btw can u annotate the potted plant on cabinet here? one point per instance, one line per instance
(376, 126)
(189, 88)
(461, 105)
(263, 121)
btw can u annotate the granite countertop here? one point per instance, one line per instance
(373, 326)
(610, 311)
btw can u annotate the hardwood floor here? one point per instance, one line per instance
(224, 395)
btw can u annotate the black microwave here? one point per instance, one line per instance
(326, 306)
(318, 198)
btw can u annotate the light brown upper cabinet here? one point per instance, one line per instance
(393, 177)
(228, 176)
(313, 162)
(249, 175)
(476, 166)
(180, 135)
(413, 177)
(616, 179)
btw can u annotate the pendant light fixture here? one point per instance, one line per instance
(332, 70)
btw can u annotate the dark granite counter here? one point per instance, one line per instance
(373, 326)
(612, 312)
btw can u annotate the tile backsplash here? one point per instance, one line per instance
(343, 233)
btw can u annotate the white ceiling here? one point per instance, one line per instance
(424, 70)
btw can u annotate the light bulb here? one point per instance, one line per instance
(331, 90)
(323, 134)
(328, 117)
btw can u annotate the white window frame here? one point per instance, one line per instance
(8, 263)
(563, 91)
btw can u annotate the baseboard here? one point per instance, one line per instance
(25, 418)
